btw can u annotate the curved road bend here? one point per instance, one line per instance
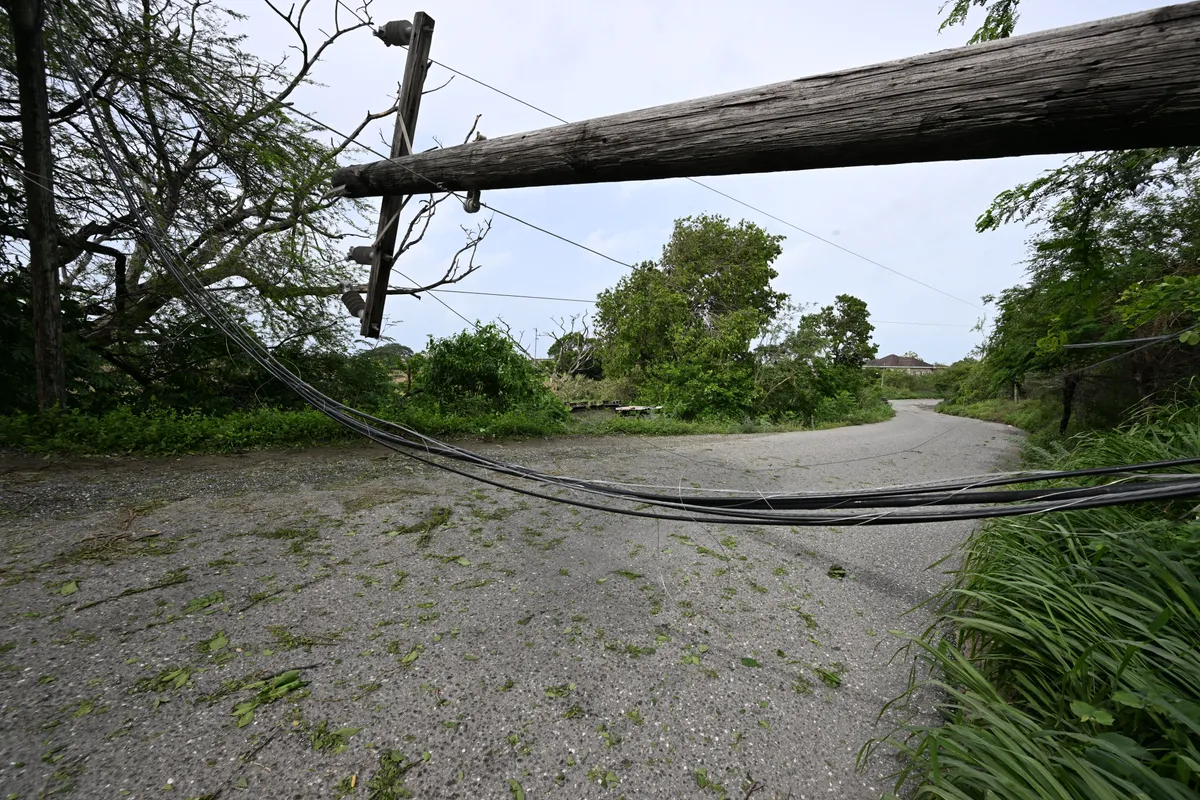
(510, 643)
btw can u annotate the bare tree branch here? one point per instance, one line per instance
(575, 348)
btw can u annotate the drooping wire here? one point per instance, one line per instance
(756, 509)
(726, 195)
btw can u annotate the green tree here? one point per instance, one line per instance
(845, 328)
(787, 367)
(1000, 18)
(231, 175)
(683, 326)
(576, 353)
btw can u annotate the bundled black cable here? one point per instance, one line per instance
(970, 498)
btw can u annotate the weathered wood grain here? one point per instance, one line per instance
(1130, 81)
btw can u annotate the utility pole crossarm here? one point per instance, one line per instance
(1125, 82)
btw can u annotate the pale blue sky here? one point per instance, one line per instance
(587, 59)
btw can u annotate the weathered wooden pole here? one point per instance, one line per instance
(27, 18)
(420, 38)
(1124, 82)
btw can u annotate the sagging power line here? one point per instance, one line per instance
(726, 195)
(969, 499)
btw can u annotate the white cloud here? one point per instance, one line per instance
(580, 60)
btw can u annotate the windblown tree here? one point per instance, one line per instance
(808, 357)
(683, 326)
(233, 178)
(845, 329)
(575, 353)
(786, 365)
(1118, 257)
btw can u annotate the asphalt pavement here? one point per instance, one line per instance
(344, 623)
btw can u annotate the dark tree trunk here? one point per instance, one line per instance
(1070, 384)
(27, 18)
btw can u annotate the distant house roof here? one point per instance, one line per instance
(903, 362)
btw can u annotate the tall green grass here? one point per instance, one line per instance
(1066, 651)
(1034, 415)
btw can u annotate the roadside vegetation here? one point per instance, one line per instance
(699, 336)
(242, 177)
(1063, 659)
(1064, 651)
(897, 385)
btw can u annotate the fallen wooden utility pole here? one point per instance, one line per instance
(1125, 82)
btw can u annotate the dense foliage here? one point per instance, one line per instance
(233, 178)
(1064, 653)
(683, 327)
(478, 375)
(1115, 259)
(1065, 648)
(702, 333)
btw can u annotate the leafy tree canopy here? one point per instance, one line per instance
(999, 21)
(845, 329)
(713, 279)
(687, 321)
(232, 175)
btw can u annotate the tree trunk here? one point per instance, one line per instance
(1070, 384)
(27, 18)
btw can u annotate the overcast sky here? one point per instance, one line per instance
(582, 60)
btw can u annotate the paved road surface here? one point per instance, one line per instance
(452, 639)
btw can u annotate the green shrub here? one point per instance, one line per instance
(167, 432)
(898, 385)
(479, 371)
(1034, 415)
(832, 409)
(581, 389)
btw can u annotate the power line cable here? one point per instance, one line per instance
(593, 302)
(1152, 343)
(756, 508)
(489, 207)
(726, 195)
(1123, 342)
(557, 236)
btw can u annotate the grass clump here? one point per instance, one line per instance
(425, 527)
(167, 431)
(335, 740)
(1065, 647)
(1033, 415)
(388, 781)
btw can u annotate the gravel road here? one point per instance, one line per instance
(455, 640)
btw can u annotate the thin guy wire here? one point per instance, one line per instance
(1127, 353)
(727, 196)
(491, 208)
(715, 514)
